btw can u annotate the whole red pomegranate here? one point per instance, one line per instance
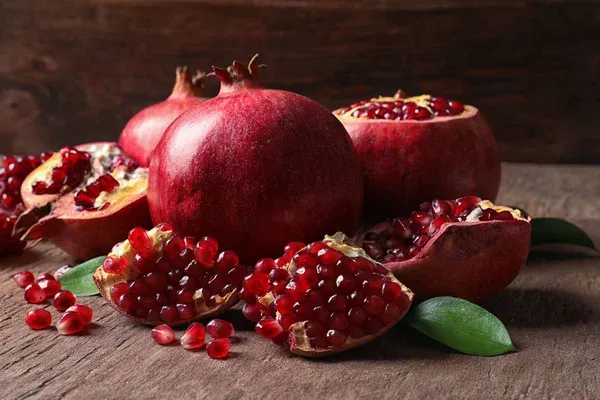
(413, 149)
(144, 129)
(256, 168)
(468, 247)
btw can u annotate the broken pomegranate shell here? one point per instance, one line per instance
(414, 149)
(84, 199)
(154, 278)
(465, 248)
(327, 298)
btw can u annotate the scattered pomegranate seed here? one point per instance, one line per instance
(268, 327)
(218, 348)
(218, 328)
(163, 334)
(23, 279)
(252, 312)
(34, 294)
(194, 336)
(38, 318)
(46, 276)
(49, 286)
(63, 300)
(84, 312)
(70, 323)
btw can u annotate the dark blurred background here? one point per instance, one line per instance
(75, 71)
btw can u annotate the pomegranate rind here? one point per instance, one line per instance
(104, 281)
(471, 260)
(299, 342)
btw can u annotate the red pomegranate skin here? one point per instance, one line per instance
(406, 163)
(256, 168)
(143, 131)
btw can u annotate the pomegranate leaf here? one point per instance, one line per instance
(461, 325)
(79, 279)
(556, 230)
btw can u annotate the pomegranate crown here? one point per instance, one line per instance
(238, 76)
(187, 84)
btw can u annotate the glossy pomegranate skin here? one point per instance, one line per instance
(408, 162)
(256, 168)
(145, 129)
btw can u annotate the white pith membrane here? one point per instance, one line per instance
(301, 342)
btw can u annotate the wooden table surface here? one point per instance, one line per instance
(552, 312)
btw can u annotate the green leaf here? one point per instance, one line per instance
(79, 279)
(461, 325)
(556, 230)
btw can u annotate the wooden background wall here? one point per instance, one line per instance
(75, 70)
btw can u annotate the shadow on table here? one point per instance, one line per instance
(540, 308)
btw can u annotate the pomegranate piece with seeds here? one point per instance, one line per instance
(452, 151)
(194, 336)
(84, 312)
(332, 297)
(467, 248)
(218, 328)
(38, 319)
(71, 323)
(163, 334)
(63, 300)
(155, 278)
(218, 348)
(23, 279)
(82, 202)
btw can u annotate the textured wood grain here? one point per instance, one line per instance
(75, 71)
(552, 311)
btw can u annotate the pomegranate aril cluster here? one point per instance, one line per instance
(396, 109)
(406, 237)
(195, 336)
(166, 285)
(12, 173)
(74, 166)
(86, 198)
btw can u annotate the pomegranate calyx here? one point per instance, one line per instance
(186, 84)
(238, 76)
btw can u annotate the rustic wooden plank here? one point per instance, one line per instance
(76, 71)
(552, 311)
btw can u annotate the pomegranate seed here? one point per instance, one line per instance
(357, 316)
(355, 332)
(218, 348)
(391, 291)
(218, 328)
(335, 338)
(226, 261)
(118, 290)
(163, 334)
(164, 227)
(251, 312)
(173, 247)
(256, 285)
(46, 276)
(114, 265)
(34, 294)
(23, 279)
(441, 207)
(190, 242)
(139, 240)
(169, 314)
(204, 253)
(63, 300)
(372, 325)
(314, 329)
(337, 302)
(84, 312)
(391, 313)
(329, 256)
(50, 287)
(293, 247)
(70, 323)
(38, 318)
(268, 327)
(193, 338)
(339, 321)
(373, 305)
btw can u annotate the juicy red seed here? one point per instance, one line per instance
(466, 203)
(23, 279)
(169, 314)
(329, 256)
(226, 261)
(194, 336)
(504, 216)
(190, 242)
(420, 218)
(355, 332)
(391, 313)
(264, 266)
(256, 284)
(236, 275)
(315, 247)
(186, 311)
(163, 334)
(139, 287)
(373, 305)
(327, 288)
(321, 314)
(139, 240)
(455, 107)
(127, 302)
(345, 284)
(335, 338)
(45, 276)
(305, 259)
(118, 290)
(142, 264)
(488, 214)
(63, 300)
(285, 321)
(357, 316)
(34, 294)
(281, 339)
(356, 299)
(437, 223)
(314, 297)
(284, 304)
(156, 281)
(401, 228)
(50, 287)
(38, 319)
(70, 323)
(307, 276)
(374, 284)
(173, 247)
(164, 227)
(441, 207)
(391, 291)
(419, 113)
(318, 342)
(218, 328)
(337, 302)
(218, 348)
(252, 312)
(302, 312)
(314, 329)
(372, 325)
(268, 327)
(114, 265)
(278, 274)
(326, 271)
(338, 321)
(293, 247)
(84, 312)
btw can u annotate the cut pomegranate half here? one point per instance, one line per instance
(467, 248)
(84, 199)
(154, 278)
(327, 298)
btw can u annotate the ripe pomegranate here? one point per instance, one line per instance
(154, 278)
(413, 149)
(84, 199)
(144, 130)
(326, 298)
(256, 168)
(465, 248)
